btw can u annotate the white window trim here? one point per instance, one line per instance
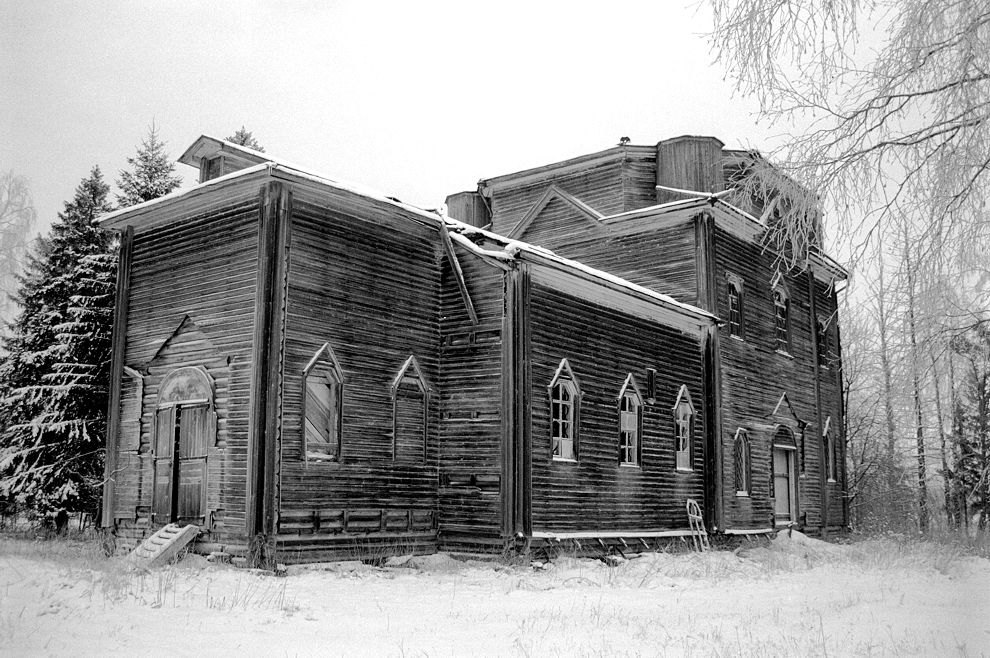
(326, 360)
(564, 376)
(684, 396)
(629, 389)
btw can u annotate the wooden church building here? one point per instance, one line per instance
(568, 354)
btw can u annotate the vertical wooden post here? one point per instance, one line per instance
(712, 363)
(516, 401)
(122, 295)
(818, 404)
(266, 366)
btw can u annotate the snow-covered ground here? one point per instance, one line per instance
(799, 596)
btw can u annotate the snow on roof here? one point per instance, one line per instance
(505, 248)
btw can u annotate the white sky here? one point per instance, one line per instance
(417, 99)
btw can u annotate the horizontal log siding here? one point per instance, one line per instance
(470, 405)
(599, 187)
(203, 266)
(831, 393)
(754, 375)
(662, 259)
(639, 178)
(603, 346)
(365, 278)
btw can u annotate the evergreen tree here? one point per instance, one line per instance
(53, 379)
(245, 138)
(153, 173)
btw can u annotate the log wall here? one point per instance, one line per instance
(603, 346)
(755, 375)
(471, 366)
(203, 266)
(366, 279)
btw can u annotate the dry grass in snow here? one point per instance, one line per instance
(796, 597)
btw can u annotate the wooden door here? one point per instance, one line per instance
(161, 511)
(783, 485)
(190, 486)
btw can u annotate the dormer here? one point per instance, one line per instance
(216, 157)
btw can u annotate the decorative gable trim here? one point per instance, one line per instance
(683, 396)
(554, 192)
(564, 371)
(410, 372)
(785, 410)
(630, 385)
(187, 325)
(325, 353)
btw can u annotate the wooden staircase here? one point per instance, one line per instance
(163, 546)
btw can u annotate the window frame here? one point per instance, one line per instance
(630, 391)
(564, 380)
(829, 458)
(736, 284)
(823, 342)
(781, 319)
(681, 427)
(324, 365)
(742, 464)
(410, 375)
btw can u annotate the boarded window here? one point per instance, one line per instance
(781, 306)
(564, 404)
(322, 414)
(410, 424)
(410, 405)
(683, 431)
(322, 403)
(630, 423)
(743, 468)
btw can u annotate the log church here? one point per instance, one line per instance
(562, 357)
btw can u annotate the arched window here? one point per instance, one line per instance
(323, 385)
(743, 465)
(410, 405)
(683, 431)
(565, 406)
(737, 326)
(630, 423)
(782, 321)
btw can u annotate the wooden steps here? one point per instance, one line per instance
(163, 546)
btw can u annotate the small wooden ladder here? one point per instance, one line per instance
(697, 523)
(164, 545)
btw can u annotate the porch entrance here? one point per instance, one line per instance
(784, 477)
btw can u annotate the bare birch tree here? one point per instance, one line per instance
(889, 100)
(17, 217)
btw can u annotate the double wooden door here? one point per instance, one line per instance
(182, 435)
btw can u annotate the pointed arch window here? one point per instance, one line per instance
(565, 408)
(323, 385)
(737, 326)
(683, 430)
(743, 463)
(828, 450)
(630, 423)
(823, 342)
(782, 320)
(410, 408)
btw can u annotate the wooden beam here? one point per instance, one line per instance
(118, 345)
(455, 265)
(274, 208)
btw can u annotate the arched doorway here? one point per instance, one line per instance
(185, 427)
(784, 476)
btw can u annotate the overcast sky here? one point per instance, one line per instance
(416, 99)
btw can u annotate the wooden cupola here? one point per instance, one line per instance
(216, 157)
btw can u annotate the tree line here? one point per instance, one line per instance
(55, 351)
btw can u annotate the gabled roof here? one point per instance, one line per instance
(207, 147)
(494, 246)
(554, 192)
